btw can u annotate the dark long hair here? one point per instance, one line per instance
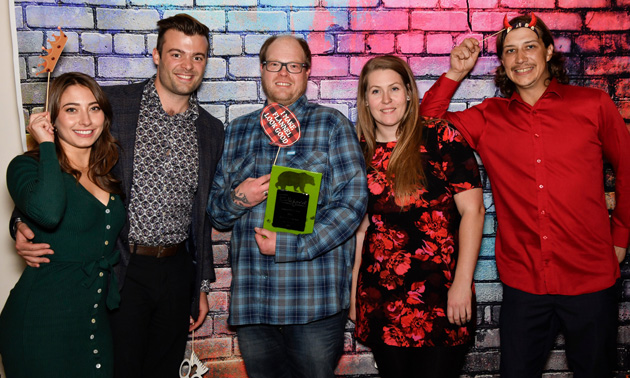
(555, 64)
(104, 153)
(404, 171)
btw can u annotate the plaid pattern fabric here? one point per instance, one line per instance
(309, 277)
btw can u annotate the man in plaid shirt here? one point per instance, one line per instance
(290, 293)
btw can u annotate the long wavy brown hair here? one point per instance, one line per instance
(555, 64)
(104, 153)
(404, 171)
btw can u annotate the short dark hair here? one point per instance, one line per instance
(303, 44)
(555, 64)
(183, 23)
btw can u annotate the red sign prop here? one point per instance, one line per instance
(280, 125)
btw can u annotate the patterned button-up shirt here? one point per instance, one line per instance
(165, 172)
(309, 277)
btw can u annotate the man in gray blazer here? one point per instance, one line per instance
(170, 147)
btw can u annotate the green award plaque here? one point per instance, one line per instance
(292, 200)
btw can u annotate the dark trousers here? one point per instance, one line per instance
(424, 362)
(530, 323)
(150, 328)
(309, 350)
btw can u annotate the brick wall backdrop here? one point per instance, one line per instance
(112, 40)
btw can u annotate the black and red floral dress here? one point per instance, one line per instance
(409, 255)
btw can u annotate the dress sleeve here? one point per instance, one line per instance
(615, 139)
(37, 187)
(435, 103)
(458, 159)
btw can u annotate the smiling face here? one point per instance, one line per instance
(181, 64)
(525, 60)
(284, 87)
(386, 96)
(80, 119)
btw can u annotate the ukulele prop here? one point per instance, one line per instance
(51, 59)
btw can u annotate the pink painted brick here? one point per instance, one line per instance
(224, 278)
(213, 347)
(221, 236)
(526, 4)
(439, 43)
(351, 43)
(221, 254)
(596, 83)
(433, 66)
(561, 21)
(410, 4)
(490, 22)
(329, 66)
(457, 4)
(563, 44)
(623, 88)
(587, 43)
(486, 65)
(379, 20)
(491, 4)
(321, 43)
(583, 3)
(221, 326)
(380, 43)
(410, 43)
(614, 65)
(206, 329)
(443, 20)
(357, 63)
(339, 89)
(218, 301)
(624, 110)
(614, 43)
(623, 3)
(232, 368)
(601, 21)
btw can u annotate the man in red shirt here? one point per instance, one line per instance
(543, 146)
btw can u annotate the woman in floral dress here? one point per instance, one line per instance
(418, 245)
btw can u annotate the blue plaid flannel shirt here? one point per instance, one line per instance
(309, 277)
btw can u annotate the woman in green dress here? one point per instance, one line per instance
(54, 323)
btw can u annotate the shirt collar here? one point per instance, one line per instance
(150, 92)
(554, 88)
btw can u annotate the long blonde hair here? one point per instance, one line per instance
(404, 171)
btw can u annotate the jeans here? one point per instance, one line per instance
(290, 351)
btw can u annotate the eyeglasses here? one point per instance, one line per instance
(292, 67)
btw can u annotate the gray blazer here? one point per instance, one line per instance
(125, 100)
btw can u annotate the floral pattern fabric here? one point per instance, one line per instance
(409, 255)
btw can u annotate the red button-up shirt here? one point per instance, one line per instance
(545, 165)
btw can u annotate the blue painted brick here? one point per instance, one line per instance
(429, 66)
(489, 292)
(486, 270)
(342, 108)
(170, 3)
(216, 91)
(216, 110)
(236, 111)
(244, 67)
(319, 20)
(489, 225)
(112, 3)
(226, 3)
(215, 69)
(485, 66)
(214, 20)
(34, 93)
(127, 19)
(96, 43)
(30, 41)
(487, 247)
(227, 44)
(19, 17)
(116, 67)
(290, 3)
(151, 42)
(339, 89)
(53, 16)
(22, 67)
(254, 42)
(257, 21)
(129, 43)
(66, 63)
